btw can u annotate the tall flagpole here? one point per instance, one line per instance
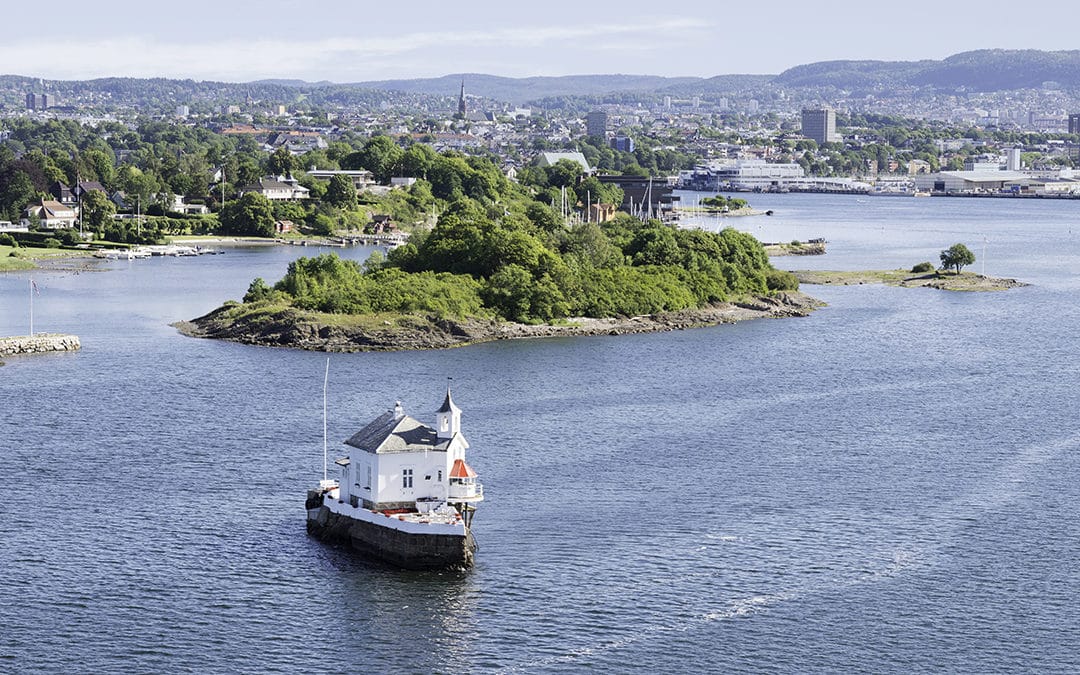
(31, 308)
(326, 381)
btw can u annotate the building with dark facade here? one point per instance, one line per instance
(819, 125)
(645, 196)
(1074, 123)
(596, 123)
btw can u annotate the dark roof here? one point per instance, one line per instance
(390, 433)
(448, 404)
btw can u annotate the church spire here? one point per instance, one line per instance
(449, 416)
(461, 108)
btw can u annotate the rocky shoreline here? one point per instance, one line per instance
(299, 330)
(968, 281)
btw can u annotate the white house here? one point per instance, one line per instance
(403, 464)
(279, 188)
(361, 178)
(50, 214)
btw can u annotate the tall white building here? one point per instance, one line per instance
(1013, 161)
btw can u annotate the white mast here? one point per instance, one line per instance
(326, 381)
(31, 308)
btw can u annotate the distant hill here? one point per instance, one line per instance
(522, 89)
(985, 70)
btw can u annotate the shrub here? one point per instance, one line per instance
(51, 242)
(923, 267)
(8, 240)
(779, 280)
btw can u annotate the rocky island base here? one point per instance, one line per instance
(812, 247)
(38, 343)
(967, 281)
(290, 327)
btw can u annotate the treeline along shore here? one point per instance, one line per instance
(492, 271)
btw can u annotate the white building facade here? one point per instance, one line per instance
(400, 463)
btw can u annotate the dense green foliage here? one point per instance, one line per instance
(475, 264)
(327, 283)
(957, 256)
(724, 203)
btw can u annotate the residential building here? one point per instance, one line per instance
(361, 179)
(622, 143)
(50, 214)
(63, 193)
(277, 189)
(819, 124)
(1074, 123)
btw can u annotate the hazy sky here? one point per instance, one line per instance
(355, 40)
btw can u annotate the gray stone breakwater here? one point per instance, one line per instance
(38, 343)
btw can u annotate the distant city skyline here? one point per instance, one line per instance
(350, 42)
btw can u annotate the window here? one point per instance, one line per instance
(367, 486)
(440, 475)
(406, 478)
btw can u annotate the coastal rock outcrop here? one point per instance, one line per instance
(38, 343)
(297, 329)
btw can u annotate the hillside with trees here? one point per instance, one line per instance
(984, 70)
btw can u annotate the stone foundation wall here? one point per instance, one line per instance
(411, 551)
(38, 343)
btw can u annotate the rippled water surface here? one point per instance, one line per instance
(888, 485)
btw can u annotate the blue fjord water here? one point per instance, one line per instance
(888, 485)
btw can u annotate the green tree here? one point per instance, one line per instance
(251, 215)
(418, 160)
(380, 155)
(97, 210)
(564, 173)
(282, 162)
(957, 257)
(341, 192)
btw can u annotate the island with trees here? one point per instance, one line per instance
(501, 262)
(950, 277)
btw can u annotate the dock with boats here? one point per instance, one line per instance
(150, 251)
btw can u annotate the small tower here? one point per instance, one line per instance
(462, 110)
(448, 417)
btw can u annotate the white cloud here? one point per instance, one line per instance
(338, 58)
